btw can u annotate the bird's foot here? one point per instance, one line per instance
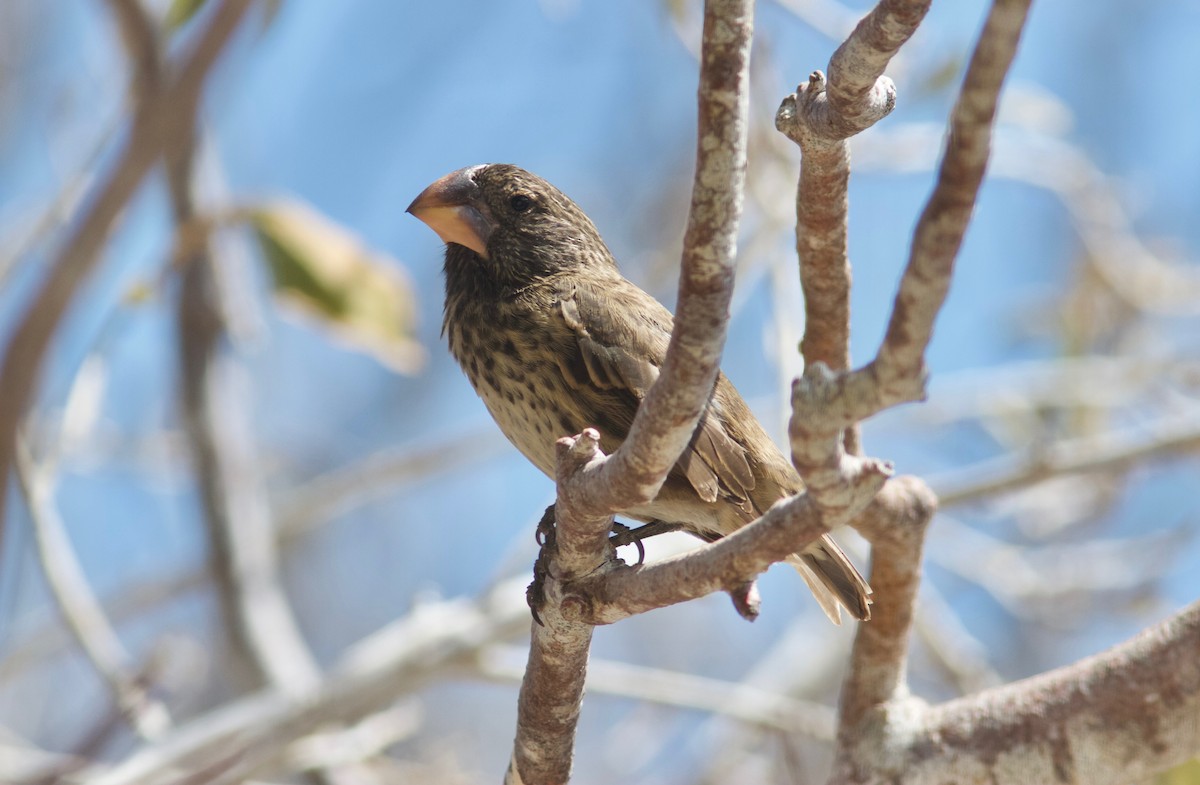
(623, 535)
(535, 593)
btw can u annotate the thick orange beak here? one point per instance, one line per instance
(452, 207)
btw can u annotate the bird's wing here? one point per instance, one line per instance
(620, 341)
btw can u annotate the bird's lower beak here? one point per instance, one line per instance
(451, 207)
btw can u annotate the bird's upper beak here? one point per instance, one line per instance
(452, 208)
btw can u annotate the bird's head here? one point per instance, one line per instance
(514, 224)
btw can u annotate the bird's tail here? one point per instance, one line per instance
(833, 579)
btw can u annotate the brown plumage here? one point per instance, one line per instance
(555, 340)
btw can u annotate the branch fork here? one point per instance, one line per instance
(814, 116)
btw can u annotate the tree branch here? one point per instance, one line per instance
(79, 606)
(590, 486)
(232, 493)
(667, 418)
(820, 120)
(156, 126)
(897, 522)
(753, 706)
(874, 699)
(1119, 716)
(724, 565)
(255, 730)
(1113, 452)
(943, 223)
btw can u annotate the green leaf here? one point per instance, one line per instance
(324, 271)
(180, 12)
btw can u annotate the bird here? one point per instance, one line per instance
(555, 339)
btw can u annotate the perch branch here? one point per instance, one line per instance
(590, 486)
(668, 416)
(723, 565)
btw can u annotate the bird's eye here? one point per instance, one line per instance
(520, 202)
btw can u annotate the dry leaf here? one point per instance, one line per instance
(325, 271)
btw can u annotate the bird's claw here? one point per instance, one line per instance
(622, 535)
(627, 536)
(545, 527)
(535, 593)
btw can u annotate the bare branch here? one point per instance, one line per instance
(253, 731)
(724, 565)
(346, 747)
(232, 492)
(591, 487)
(1048, 581)
(319, 499)
(857, 89)
(552, 690)
(898, 372)
(78, 604)
(822, 203)
(756, 706)
(944, 221)
(50, 641)
(858, 94)
(1120, 716)
(820, 120)
(875, 683)
(156, 126)
(1170, 437)
(668, 416)
(896, 525)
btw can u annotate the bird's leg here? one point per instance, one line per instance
(535, 593)
(626, 536)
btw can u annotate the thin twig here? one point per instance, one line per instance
(1118, 452)
(319, 499)
(751, 705)
(78, 604)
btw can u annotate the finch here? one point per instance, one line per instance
(554, 340)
